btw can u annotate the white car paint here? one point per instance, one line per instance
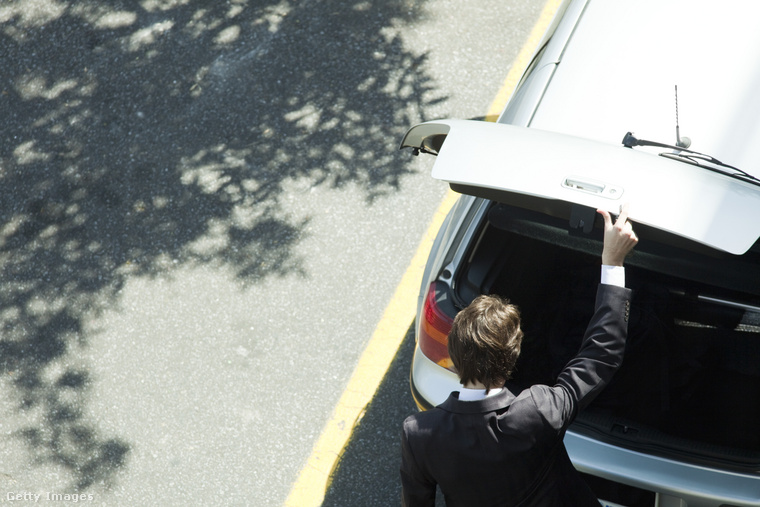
(639, 52)
(676, 197)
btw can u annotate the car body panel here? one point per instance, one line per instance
(619, 71)
(453, 232)
(676, 197)
(529, 91)
(431, 382)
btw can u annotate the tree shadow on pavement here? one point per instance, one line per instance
(139, 135)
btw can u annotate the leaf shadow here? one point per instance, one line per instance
(139, 135)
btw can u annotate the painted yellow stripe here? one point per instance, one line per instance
(311, 486)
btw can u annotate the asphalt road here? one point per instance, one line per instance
(204, 215)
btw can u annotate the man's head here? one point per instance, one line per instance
(484, 341)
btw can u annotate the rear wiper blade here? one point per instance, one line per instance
(692, 157)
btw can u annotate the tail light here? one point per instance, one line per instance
(435, 325)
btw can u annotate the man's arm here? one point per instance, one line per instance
(601, 351)
(600, 354)
(619, 239)
(416, 489)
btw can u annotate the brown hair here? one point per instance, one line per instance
(485, 340)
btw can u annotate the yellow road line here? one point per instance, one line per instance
(311, 486)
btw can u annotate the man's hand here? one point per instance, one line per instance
(619, 239)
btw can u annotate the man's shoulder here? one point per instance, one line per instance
(424, 417)
(425, 421)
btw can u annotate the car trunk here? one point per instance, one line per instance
(690, 381)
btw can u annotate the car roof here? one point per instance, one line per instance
(619, 71)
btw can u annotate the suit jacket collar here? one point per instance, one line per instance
(488, 404)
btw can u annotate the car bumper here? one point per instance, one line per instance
(430, 384)
(675, 482)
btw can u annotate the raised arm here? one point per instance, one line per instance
(601, 351)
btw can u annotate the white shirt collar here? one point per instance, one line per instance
(477, 394)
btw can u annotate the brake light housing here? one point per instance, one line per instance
(435, 323)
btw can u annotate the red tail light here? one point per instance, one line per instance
(434, 328)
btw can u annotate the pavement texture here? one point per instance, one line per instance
(204, 213)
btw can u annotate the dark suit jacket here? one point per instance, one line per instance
(507, 450)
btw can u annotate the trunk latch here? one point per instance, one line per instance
(582, 217)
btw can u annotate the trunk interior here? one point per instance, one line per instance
(690, 381)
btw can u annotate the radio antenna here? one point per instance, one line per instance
(681, 142)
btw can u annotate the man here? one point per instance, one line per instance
(492, 445)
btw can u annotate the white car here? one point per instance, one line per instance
(655, 103)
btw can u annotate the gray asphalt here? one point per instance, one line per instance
(204, 215)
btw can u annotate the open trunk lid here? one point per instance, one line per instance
(494, 160)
